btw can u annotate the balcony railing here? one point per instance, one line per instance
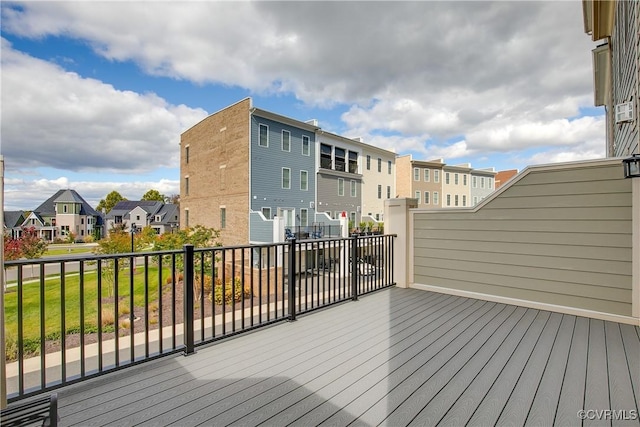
(74, 318)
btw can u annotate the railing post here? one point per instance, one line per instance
(188, 297)
(292, 280)
(354, 268)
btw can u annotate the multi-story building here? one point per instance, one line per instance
(616, 70)
(242, 166)
(378, 168)
(421, 180)
(63, 214)
(503, 176)
(456, 190)
(482, 184)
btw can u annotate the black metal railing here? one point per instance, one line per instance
(73, 318)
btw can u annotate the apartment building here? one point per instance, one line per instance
(482, 184)
(378, 168)
(456, 192)
(421, 180)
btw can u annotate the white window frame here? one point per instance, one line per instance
(416, 174)
(304, 187)
(266, 209)
(289, 179)
(436, 176)
(427, 198)
(456, 179)
(389, 166)
(260, 127)
(388, 191)
(379, 191)
(340, 187)
(353, 188)
(448, 199)
(417, 196)
(436, 198)
(304, 217)
(427, 175)
(447, 178)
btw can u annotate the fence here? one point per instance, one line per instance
(73, 318)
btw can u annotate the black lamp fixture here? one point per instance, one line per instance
(632, 166)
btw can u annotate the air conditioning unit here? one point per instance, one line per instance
(312, 205)
(624, 112)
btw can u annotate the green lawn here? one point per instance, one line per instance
(72, 299)
(68, 251)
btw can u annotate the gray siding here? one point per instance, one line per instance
(558, 236)
(267, 164)
(261, 231)
(328, 198)
(625, 63)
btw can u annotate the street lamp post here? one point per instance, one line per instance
(133, 231)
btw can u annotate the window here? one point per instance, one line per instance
(475, 200)
(490, 183)
(474, 182)
(368, 162)
(436, 176)
(426, 198)
(186, 185)
(482, 182)
(304, 217)
(353, 162)
(389, 167)
(263, 139)
(325, 156)
(286, 178)
(416, 174)
(186, 154)
(436, 198)
(266, 212)
(379, 164)
(305, 145)
(456, 200)
(64, 208)
(448, 199)
(464, 200)
(286, 140)
(456, 179)
(427, 175)
(304, 180)
(339, 154)
(379, 191)
(340, 187)
(446, 178)
(388, 191)
(223, 217)
(353, 188)
(418, 196)
(186, 217)
(464, 179)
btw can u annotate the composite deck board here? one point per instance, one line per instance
(393, 357)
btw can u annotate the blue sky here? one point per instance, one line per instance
(95, 95)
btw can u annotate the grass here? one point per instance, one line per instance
(67, 251)
(31, 304)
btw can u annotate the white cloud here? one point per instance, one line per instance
(59, 119)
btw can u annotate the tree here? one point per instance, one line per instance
(154, 195)
(174, 199)
(109, 202)
(12, 248)
(32, 246)
(116, 242)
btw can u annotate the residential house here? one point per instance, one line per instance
(13, 221)
(482, 184)
(63, 213)
(137, 214)
(421, 180)
(616, 69)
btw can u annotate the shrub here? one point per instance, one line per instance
(229, 294)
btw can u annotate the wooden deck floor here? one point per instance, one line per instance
(396, 357)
